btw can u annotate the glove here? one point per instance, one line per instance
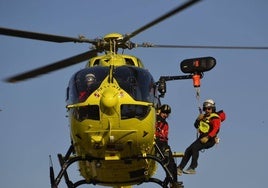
(204, 140)
(200, 117)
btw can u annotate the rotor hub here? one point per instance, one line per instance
(113, 36)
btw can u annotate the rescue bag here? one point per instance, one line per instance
(222, 115)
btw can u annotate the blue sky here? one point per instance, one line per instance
(32, 116)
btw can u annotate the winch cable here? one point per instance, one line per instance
(196, 83)
(197, 90)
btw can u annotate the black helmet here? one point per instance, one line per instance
(165, 109)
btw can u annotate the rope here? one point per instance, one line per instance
(197, 89)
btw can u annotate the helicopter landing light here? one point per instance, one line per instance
(112, 156)
(111, 139)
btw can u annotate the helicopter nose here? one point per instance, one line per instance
(109, 97)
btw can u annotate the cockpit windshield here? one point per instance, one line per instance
(137, 82)
(85, 82)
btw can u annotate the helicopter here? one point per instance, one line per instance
(103, 141)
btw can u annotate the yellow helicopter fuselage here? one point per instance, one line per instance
(115, 122)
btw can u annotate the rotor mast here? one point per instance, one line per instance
(113, 40)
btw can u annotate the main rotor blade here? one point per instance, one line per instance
(161, 18)
(150, 45)
(54, 66)
(41, 36)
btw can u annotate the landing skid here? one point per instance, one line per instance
(67, 160)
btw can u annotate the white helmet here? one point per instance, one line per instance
(209, 103)
(90, 78)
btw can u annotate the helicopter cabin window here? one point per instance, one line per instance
(134, 111)
(86, 112)
(84, 83)
(67, 93)
(137, 82)
(129, 61)
(96, 62)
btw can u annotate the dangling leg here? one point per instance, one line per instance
(196, 147)
(186, 157)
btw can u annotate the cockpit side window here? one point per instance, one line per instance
(129, 61)
(134, 111)
(86, 112)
